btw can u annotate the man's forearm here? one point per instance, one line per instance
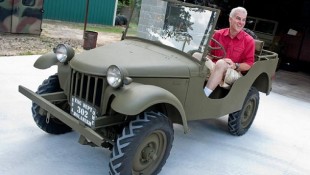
(243, 67)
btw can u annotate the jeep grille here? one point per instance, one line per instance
(89, 88)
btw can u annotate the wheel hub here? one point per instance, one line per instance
(148, 154)
(247, 115)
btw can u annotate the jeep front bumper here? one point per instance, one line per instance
(66, 118)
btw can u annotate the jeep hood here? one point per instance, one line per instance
(140, 59)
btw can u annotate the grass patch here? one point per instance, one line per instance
(102, 28)
(91, 27)
(27, 53)
(108, 29)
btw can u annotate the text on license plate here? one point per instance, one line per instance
(83, 111)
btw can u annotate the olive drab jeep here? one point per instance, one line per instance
(125, 96)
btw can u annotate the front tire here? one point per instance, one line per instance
(51, 125)
(143, 147)
(239, 122)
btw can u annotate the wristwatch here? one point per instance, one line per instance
(237, 66)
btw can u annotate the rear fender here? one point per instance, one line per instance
(135, 98)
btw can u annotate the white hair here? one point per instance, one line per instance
(238, 9)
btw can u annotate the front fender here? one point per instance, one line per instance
(135, 98)
(46, 61)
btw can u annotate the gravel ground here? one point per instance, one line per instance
(53, 33)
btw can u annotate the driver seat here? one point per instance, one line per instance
(259, 45)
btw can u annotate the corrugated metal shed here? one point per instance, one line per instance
(100, 11)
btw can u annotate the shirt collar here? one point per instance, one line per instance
(239, 35)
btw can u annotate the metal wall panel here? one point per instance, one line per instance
(100, 11)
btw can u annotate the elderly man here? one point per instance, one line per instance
(240, 48)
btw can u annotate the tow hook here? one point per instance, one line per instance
(48, 116)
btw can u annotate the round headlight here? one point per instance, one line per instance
(115, 76)
(64, 52)
(61, 53)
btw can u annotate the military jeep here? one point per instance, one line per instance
(127, 95)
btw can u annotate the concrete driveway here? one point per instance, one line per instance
(278, 142)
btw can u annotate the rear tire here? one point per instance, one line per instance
(239, 122)
(53, 125)
(143, 147)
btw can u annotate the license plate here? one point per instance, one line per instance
(83, 111)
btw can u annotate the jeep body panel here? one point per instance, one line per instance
(136, 98)
(198, 106)
(139, 58)
(46, 61)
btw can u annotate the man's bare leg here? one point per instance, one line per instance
(216, 77)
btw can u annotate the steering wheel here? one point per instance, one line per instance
(220, 47)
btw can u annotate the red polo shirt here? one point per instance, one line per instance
(240, 49)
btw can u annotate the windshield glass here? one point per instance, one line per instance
(179, 25)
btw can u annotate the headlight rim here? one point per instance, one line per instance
(69, 53)
(121, 76)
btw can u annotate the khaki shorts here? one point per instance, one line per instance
(230, 77)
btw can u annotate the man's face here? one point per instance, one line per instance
(237, 22)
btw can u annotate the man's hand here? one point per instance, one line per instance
(230, 63)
